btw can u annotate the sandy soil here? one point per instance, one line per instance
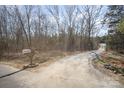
(72, 71)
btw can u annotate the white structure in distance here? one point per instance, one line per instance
(102, 46)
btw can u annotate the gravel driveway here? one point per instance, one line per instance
(72, 71)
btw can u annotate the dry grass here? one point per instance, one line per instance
(43, 59)
(114, 59)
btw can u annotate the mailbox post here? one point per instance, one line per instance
(30, 53)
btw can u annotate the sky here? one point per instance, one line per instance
(102, 29)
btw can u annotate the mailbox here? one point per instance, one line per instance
(26, 51)
(30, 53)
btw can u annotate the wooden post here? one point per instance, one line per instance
(30, 53)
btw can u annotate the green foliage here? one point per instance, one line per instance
(120, 27)
(115, 22)
(102, 39)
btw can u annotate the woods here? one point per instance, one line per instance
(65, 28)
(114, 20)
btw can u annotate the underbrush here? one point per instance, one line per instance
(19, 60)
(112, 61)
(111, 64)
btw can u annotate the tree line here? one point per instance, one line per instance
(115, 22)
(65, 28)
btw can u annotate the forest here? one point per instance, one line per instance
(64, 28)
(45, 28)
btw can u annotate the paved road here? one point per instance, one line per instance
(71, 71)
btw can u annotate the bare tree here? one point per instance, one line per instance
(28, 11)
(26, 28)
(55, 12)
(91, 14)
(62, 27)
(70, 13)
(22, 24)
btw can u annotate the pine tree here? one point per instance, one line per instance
(113, 17)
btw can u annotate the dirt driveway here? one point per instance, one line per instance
(72, 71)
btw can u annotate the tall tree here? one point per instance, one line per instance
(114, 15)
(70, 13)
(91, 17)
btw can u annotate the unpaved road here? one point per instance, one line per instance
(72, 71)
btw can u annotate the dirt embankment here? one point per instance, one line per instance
(112, 64)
